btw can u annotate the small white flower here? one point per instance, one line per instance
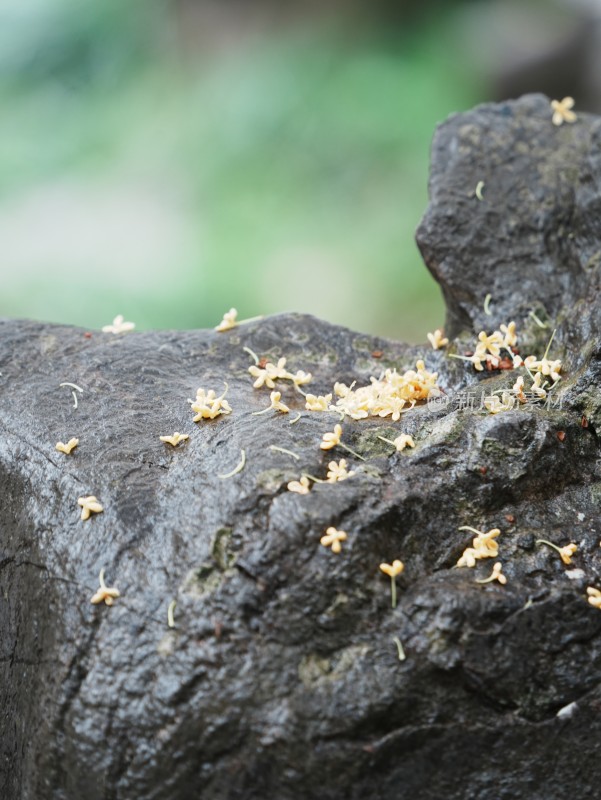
(175, 439)
(89, 505)
(105, 593)
(333, 538)
(496, 575)
(300, 378)
(119, 326)
(338, 471)
(317, 402)
(403, 441)
(66, 448)
(229, 321)
(562, 111)
(437, 339)
(300, 487)
(330, 440)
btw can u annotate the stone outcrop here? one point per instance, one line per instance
(281, 678)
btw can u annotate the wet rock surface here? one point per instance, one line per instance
(281, 678)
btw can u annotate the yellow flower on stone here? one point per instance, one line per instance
(300, 487)
(496, 575)
(275, 398)
(341, 389)
(119, 326)
(89, 505)
(518, 389)
(300, 378)
(338, 471)
(492, 343)
(437, 339)
(392, 570)
(594, 597)
(483, 546)
(275, 405)
(208, 406)
(333, 538)
(104, 593)
(270, 373)
(66, 448)
(403, 441)
(175, 439)
(317, 402)
(330, 440)
(495, 405)
(510, 338)
(229, 321)
(565, 552)
(545, 367)
(562, 111)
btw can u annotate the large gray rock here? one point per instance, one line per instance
(281, 679)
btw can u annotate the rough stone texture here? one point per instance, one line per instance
(281, 680)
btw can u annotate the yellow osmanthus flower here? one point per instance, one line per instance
(175, 439)
(565, 552)
(483, 546)
(333, 539)
(562, 111)
(300, 378)
(403, 441)
(489, 346)
(392, 570)
(119, 326)
(317, 402)
(330, 440)
(518, 389)
(337, 471)
(301, 486)
(275, 405)
(496, 575)
(494, 405)
(491, 343)
(229, 321)
(270, 373)
(208, 406)
(341, 389)
(510, 338)
(537, 386)
(437, 339)
(105, 593)
(594, 596)
(66, 448)
(388, 394)
(89, 505)
(545, 366)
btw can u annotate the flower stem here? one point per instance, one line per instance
(393, 591)
(352, 452)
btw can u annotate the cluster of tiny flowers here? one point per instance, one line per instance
(270, 373)
(208, 406)
(389, 395)
(483, 546)
(488, 349)
(544, 367)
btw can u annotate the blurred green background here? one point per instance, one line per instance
(168, 160)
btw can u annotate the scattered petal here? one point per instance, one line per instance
(66, 448)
